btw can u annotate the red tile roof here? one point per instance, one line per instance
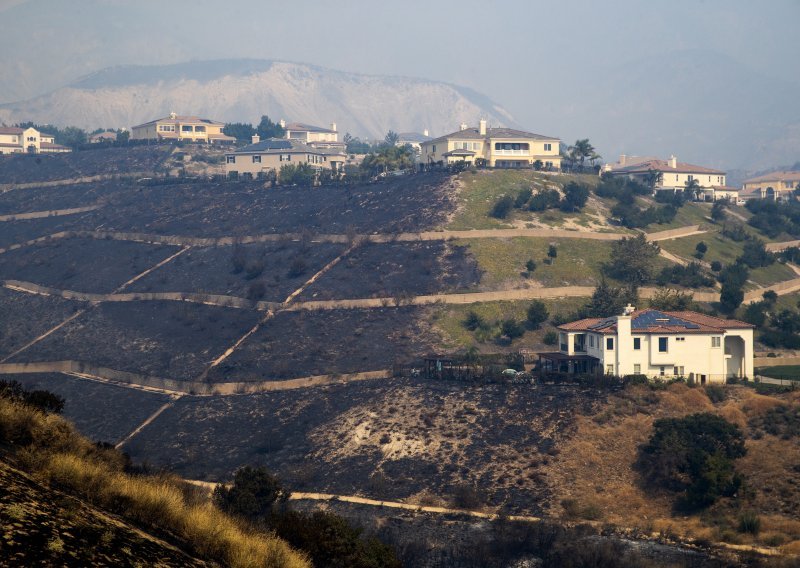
(663, 166)
(11, 130)
(704, 324)
(776, 176)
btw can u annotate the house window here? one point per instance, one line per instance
(562, 339)
(690, 177)
(680, 339)
(637, 343)
(715, 341)
(433, 148)
(678, 371)
(662, 370)
(591, 341)
(256, 159)
(230, 159)
(609, 369)
(186, 128)
(548, 147)
(662, 344)
(609, 343)
(637, 369)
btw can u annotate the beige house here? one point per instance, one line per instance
(264, 156)
(775, 185)
(656, 344)
(106, 136)
(314, 136)
(187, 128)
(499, 147)
(14, 140)
(673, 175)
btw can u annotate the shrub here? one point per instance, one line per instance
(474, 321)
(42, 400)
(716, 266)
(536, 314)
(256, 291)
(693, 455)
(511, 328)
(716, 393)
(254, 494)
(575, 197)
(522, 198)
(530, 266)
(544, 200)
(701, 247)
(502, 207)
(550, 338)
(749, 522)
(466, 496)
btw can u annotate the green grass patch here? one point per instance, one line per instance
(789, 372)
(503, 261)
(450, 320)
(481, 190)
(719, 248)
(689, 214)
(772, 274)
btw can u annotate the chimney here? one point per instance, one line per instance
(256, 138)
(463, 126)
(482, 127)
(425, 132)
(333, 126)
(624, 365)
(673, 162)
(173, 115)
(622, 159)
(282, 123)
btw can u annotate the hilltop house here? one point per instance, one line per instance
(673, 175)
(775, 185)
(499, 147)
(14, 140)
(413, 139)
(105, 136)
(185, 128)
(263, 156)
(314, 136)
(656, 344)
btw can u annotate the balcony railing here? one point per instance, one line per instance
(511, 152)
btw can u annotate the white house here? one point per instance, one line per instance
(656, 344)
(15, 140)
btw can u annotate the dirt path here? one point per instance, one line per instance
(777, 247)
(141, 426)
(675, 233)
(36, 340)
(51, 213)
(172, 387)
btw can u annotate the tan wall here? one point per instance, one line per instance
(245, 164)
(145, 132)
(485, 149)
(679, 180)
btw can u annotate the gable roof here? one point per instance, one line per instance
(11, 130)
(285, 146)
(508, 133)
(657, 321)
(784, 175)
(181, 119)
(302, 127)
(663, 166)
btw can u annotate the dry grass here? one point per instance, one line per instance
(60, 456)
(595, 469)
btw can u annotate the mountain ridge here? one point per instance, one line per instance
(234, 90)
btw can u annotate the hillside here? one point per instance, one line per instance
(243, 90)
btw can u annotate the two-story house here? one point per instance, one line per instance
(673, 175)
(498, 147)
(14, 140)
(185, 128)
(263, 156)
(775, 185)
(657, 344)
(314, 136)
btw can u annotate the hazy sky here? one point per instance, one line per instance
(507, 50)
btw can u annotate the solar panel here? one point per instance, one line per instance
(656, 318)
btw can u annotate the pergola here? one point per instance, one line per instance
(562, 363)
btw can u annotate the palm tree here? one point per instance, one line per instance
(652, 178)
(594, 157)
(581, 150)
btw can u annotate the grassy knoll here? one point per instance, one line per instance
(93, 482)
(689, 214)
(605, 447)
(502, 261)
(482, 189)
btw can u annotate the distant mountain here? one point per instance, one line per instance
(244, 89)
